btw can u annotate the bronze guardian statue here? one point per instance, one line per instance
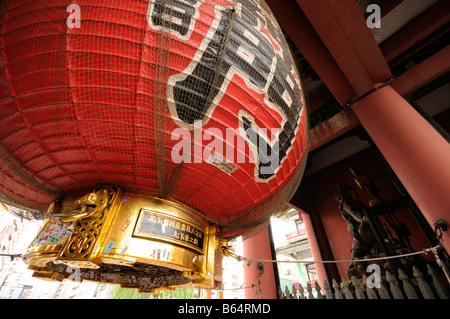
(364, 241)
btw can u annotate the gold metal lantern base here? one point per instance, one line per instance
(126, 238)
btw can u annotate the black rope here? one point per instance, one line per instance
(368, 93)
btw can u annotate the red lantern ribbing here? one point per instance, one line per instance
(199, 102)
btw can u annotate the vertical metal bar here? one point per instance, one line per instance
(412, 207)
(417, 214)
(382, 238)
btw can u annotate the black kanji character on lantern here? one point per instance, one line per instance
(242, 44)
(174, 16)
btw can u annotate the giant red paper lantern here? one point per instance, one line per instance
(146, 95)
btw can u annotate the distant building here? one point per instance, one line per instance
(291, 243)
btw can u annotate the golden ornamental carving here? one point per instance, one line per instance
(91, 205)
(89, 217)
(127, 238)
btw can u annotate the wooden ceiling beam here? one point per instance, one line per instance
(302, 33)
(417, 30)
(342, 28)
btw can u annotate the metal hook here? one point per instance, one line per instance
(439, 227)
(260, 269)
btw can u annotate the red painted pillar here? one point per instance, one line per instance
(417, 153)
(258, 246)
(315, 251)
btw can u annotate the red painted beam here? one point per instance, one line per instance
(416, 30)
(300, 31)
(423, 73)
(420, 75)
(342, 28)
(334, 127)
(418, 154)
(388, 5)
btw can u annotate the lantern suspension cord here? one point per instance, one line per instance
(250, 260)
(368, 93)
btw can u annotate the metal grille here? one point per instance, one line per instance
(96, 103)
